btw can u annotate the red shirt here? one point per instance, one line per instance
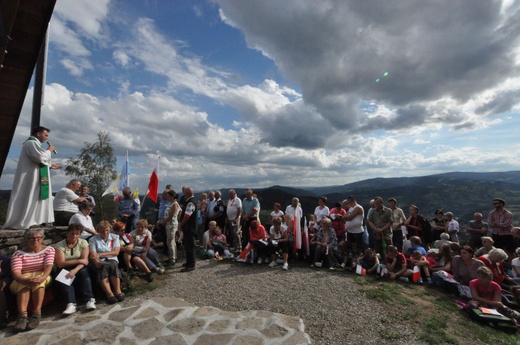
(497, 269)
(400, 261)
(338, 223)
(258, 234)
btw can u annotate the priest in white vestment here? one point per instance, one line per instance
(31, 196)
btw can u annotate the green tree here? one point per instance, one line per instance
(95, 167)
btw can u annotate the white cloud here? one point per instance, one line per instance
(334, 124)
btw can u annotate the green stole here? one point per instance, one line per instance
(44, 174)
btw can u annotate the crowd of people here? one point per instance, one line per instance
(385, 242)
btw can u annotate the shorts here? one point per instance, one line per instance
(15, 286)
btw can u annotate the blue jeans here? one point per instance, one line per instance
(81, 284)
(152, 259)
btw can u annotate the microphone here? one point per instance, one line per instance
(53, 151)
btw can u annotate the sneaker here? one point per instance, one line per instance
(404, 279)
(170, 263)
(188, 269)
(259, 261)
(239, 259)
(159, 270)
(91, 304)
(21, 324)
(149, 277)
(332, 268)
(71, 309)
(429, 281)
(318, 264)
(34, 321)
(420, 281)
(342, 265)
(272, 264)
(285, 266)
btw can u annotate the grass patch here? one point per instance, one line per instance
(389, 335)
(408, 315)
(434, 331)
(388, 292)
(445, 305)
(483, 334)
(363, 281)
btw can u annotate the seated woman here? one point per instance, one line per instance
(208, 235)
(83, 217)
(515, 266)
(465, 266)
(72, 255)
(126, 256)
(258, 239)
(325, 243)
(278, 241)
(142, 247)
(445, 238)
(104, 249)
(487, 245)
(487, 293)
(31, 268)
(440, 261)
(494, 260)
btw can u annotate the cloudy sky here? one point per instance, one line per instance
(298, 93)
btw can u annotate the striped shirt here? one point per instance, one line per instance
(32, 262)
(505, 222)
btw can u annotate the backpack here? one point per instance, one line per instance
(499, 322)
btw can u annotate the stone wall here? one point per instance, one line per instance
(12, 240)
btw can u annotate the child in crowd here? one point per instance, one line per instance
(420, 261)
(488, 293)
(396, 264)
(217, 246)
(369, 261)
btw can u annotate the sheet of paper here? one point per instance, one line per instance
(63, 279)
(489, 311)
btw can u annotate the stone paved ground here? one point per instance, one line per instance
(164, 321)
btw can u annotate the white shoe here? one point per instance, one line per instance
(159, 270)
(91, 305)
(71, 309)
(239, 259)
(318, 264)
(272, 264)
(259, 261)
(285, 266)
